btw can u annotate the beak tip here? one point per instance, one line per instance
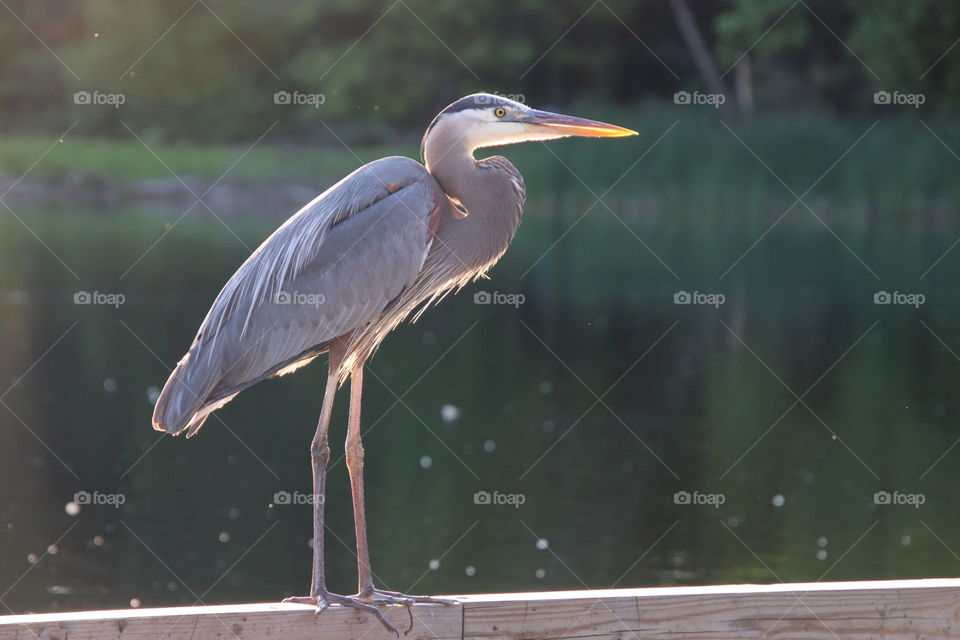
(571, 126)
(617, 132)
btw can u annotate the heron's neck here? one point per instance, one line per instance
(451, 162)
(483, 188)
(490, 190)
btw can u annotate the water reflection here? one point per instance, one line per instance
(598, 400)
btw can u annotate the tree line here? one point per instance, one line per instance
(181, 69)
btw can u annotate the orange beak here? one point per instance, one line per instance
(570, 126)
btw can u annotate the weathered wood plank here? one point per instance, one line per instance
(892, 610)
(246, 621)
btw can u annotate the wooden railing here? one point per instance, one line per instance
(892, 610)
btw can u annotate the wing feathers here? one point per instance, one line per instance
(331, 268)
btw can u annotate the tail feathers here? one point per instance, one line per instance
(183, 405)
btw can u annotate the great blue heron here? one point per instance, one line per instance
(388, 240)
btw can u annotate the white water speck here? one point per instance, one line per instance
(449, 412)
(60, 590)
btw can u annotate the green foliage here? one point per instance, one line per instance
(909, 45)
(743, 28)
(209, 71)
(840, 52)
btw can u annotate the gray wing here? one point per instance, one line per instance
(331, 268)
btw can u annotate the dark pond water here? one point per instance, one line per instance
(635, 441)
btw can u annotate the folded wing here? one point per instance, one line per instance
(330, 269)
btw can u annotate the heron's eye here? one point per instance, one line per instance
(499, 112)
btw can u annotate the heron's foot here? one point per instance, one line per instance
(369, 601)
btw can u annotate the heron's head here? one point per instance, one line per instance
(486, 120)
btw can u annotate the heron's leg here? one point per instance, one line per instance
(354, 448)
(368, 598)
(319, 458)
